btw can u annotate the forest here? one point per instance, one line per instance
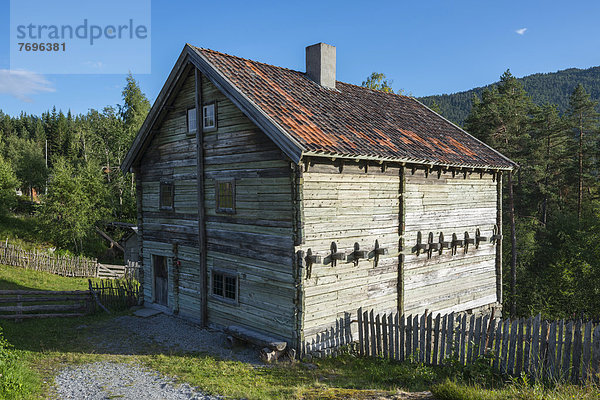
(71, 165)
(546, 88)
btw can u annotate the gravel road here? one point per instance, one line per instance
(136, 335)
(105, 380)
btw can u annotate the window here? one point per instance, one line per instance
(166, 196)
(225, 196)
(191, 120)
(225, 285)
(209, 117)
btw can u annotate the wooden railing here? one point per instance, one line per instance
(64, 265)
(25, 304)
(556, 350)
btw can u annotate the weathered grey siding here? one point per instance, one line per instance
(350, 207)
(450, 205)
(255, 242)
(171, 157)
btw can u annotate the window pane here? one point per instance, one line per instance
(230, 287)
(166, 195)
(225, 195)
(218, 284)
(191, 118)
(209, 116)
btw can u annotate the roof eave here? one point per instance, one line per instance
(411, 161)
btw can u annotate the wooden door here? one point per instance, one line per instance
(161, 280)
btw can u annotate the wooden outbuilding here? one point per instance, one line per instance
(282, 201)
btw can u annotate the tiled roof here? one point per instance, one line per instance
(352, 121)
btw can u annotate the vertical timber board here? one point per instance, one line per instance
(463, 339)
(436, 340)
(577, 347)
(401, 244)
(535, 346)
(499, 243)
(361, 343)
(587, 342)
(519, 360)
(140, 225)
(567, 350)
(200, 189)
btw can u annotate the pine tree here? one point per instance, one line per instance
(583, 119)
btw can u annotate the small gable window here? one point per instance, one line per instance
(191, 120)
(209, 116)
(225, 196)
(166, 195)
(225, 285)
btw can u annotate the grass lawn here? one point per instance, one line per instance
(44, 346)
(25, 279)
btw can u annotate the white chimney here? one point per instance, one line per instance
(320, 64)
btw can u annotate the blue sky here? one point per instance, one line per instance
(425, 47)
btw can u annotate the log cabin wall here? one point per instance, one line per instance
(348, 207)
(256, 241)
(171, 157)
(447, 282)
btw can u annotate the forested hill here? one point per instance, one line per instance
(554, 88)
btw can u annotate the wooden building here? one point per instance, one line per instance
(283, 201)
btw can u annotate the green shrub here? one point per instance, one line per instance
(16, 380)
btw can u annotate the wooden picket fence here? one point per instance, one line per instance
(43, 261)
(64, 265)
(544, 350)
(117, 294)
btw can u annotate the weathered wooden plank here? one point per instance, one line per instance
(408, 337)
(402, 338)
(361, 342)
(497, 348)
(566, 361)
(450, 335)
(379, 351)
(535, 346)
(526, 353)
(559, 344)
(457, 334)
(577, 350)
(505, 337)
(520, 343)
(471, 340)
(476, 338)
(384, 331)
(463, 339)
(543, 354)
(422, 335)
(429, 329)
(366, 331)
(374, 338)
(391, 341)
(443, 328)
(484, 333)
(397, 329)
(512, 347)
(587, 351)
(596, 353)
(436, 339)
(553, 363)
(415, 337)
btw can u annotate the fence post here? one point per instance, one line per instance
(576, 352)
(361, 342)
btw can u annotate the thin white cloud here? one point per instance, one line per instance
(23, 84)
(521, 31)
